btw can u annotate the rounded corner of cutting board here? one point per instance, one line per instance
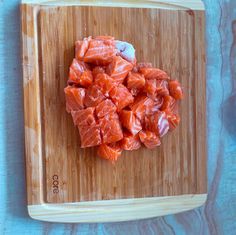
(115, 210)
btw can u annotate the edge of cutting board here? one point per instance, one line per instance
(164, 4)
(91, 211)
(115, 210)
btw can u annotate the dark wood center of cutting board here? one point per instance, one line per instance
(171, 40)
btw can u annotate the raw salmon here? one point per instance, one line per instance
(121, 96)
(173, 119)
(149, 139)
(90, 135)
(105, 82)
(151, 87)
(93, 96)
(110, 128)
(162, 87)
(105, 107)
(135, 82)
(74, 98)
(84, 117)
(130, 121)
(97, 70)
(169, 103)
(81, 48)
(154, 105)
(157, 123)
(118, 69)
(86, 78)
(109, 152)
(117, 103)
(130, 142)
(140, 106)
(80, 74)
(140, 65)
(100, 52)
(153, 73)
(175, 90)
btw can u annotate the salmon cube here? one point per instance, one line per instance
(90, 135)
(150, 87)
(93, 96)
(162, 87)
(153, 73)
(74, 98)
(76, 70)
(86, 78)
(80, 74)
(100, 52)
(121, 96)
(169, 103)
(104, 108)
(130, 142)
(155, 105)
(105, 82)
(97, 70)
(175, 89)
(141, 105)
(109, 152)
(149, 139)
(173, 119)
(84, 117)
(157, 123)
(130, 121)
(135, 80)
(118, 69)
(81, 48)
(110, 128)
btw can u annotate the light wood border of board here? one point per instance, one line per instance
(164, 4)
(115, 210)
(92, 211)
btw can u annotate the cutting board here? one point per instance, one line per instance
(68, 184)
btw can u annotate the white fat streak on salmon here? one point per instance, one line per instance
(121, 74)
(136, 128)
(126, 50)
(163, 125)
(79, 66)
(81, 94)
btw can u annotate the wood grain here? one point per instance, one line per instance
(178, 167)
(32, 108)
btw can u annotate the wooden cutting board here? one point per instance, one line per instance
(68, 184)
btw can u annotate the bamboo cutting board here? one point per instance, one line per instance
(68, 184)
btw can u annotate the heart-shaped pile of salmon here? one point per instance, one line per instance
(116, 103)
